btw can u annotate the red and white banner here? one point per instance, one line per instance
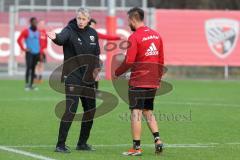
(55, 21)
(202, 38)
(191, 37)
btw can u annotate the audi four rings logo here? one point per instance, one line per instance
(222, 36)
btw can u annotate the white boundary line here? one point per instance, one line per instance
(27, 154)
(40, 157)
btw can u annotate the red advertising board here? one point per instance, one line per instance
(203, 38)
(191, 37)
(55, 21)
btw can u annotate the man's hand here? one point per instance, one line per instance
(44, 50)
(96, 72)
(51, 35)
(24, 51)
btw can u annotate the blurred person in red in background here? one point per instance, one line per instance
(92, 23)
(43, 48)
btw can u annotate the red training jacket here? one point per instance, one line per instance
(23, 35)
(145, 58)
(43, 40)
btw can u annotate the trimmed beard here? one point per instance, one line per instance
(132, 28)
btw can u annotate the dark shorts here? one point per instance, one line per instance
(42, 58)
(141, 98)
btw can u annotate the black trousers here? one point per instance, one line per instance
(96, 84)
(31, 62)
(72, 101)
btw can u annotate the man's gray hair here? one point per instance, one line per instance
(84, 11)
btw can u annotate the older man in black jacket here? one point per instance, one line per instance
(78, 41)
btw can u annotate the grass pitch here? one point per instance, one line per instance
(197, 120)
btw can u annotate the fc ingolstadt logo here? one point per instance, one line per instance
(222, 36)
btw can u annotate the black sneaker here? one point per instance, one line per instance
(158, 148)
(85, 147)
(63, 149)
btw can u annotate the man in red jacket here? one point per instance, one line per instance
(145, 59)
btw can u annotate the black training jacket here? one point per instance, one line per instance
(78, 42)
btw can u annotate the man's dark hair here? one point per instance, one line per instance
(136, 13)
(32, 19)
(92, 21)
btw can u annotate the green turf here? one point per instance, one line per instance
(205, 112)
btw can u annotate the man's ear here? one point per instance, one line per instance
(133, 21)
